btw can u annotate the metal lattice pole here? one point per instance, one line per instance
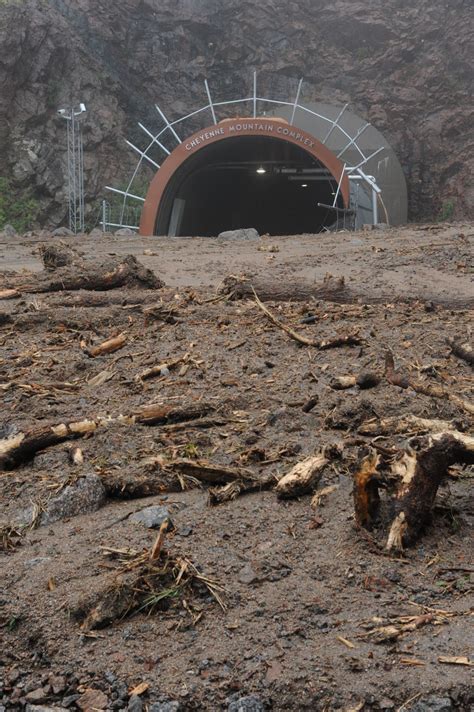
(75, 169)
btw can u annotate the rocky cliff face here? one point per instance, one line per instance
(404, 65)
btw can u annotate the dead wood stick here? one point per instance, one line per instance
(211, 473)
(404, 424)
(218, 495)
(305, 475)
(108, 347)
(462, 351)
(421, 473)
(166, 414)
(397, 379)
(363, 380)
(294, 335)
(9, 294)
(348, 340)
(155, 371)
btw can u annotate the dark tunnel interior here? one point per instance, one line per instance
(248, 181)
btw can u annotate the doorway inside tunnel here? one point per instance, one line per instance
(263, 182)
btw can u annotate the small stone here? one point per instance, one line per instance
(42, 708)
(92, 700)
(125, 232)
(246, 704)
(69, 700)
(135, 704)
(248, 233)
(153, 517)
(170, 706)
(38, 695)
(247, 575)
(433, 704)
(58, 684)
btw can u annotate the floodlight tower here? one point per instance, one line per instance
(75, 166)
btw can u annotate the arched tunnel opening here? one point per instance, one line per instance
(248, 181)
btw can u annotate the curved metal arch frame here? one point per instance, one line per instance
(254, 100)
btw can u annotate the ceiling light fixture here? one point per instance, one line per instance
(261, 170)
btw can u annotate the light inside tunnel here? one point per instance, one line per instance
(248, 181)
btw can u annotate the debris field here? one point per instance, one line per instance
(246, 492)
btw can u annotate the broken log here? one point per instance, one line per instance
(22, 447)
(404, 424)
(332, 289)
(218, 495)
(428, 389)
(420, 475)
(305, 475)
(160, 414)
(462, 351)
(208, 472)
(112, 274)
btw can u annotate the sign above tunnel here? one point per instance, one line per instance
(238, 127)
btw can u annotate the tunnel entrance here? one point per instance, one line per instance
(260, 173)
(248, 181)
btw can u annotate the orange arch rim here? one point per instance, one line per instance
(233, 128)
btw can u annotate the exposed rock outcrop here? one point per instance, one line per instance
(404, 66)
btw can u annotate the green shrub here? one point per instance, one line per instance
(19, 209)
(447, 211)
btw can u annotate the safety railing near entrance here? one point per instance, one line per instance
(121, 218)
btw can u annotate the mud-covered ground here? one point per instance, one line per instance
(303, 586)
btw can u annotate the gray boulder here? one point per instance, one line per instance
(62, 232)
(248, 233)
(152, 517)
(84, 496)
(9, 231)
(125, 232)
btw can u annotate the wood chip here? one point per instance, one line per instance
(346, 642)
(139, 689)
(456, 660)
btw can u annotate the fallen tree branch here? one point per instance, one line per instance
(348, 340)
(128, 272)
(404, 424)
(397, 379)
(166, 414)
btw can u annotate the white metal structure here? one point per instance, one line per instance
(75, 167)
